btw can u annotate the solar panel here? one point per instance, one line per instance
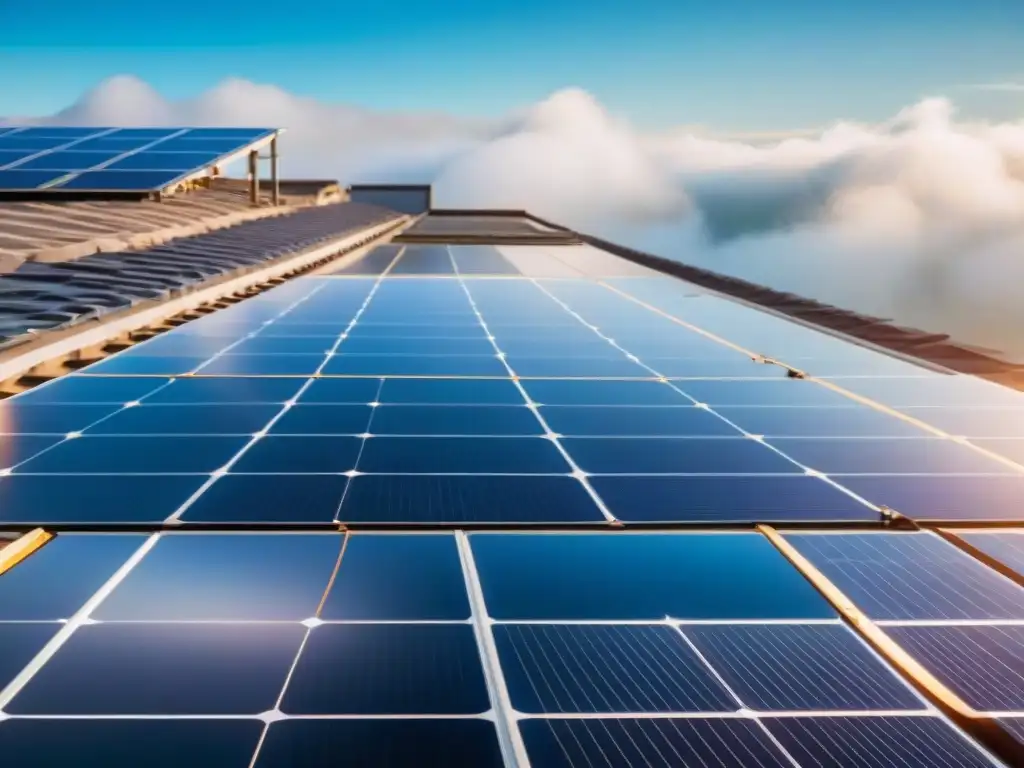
(459, 394)
(113, 160)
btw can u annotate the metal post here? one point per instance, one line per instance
(275, 186)
(254, 178)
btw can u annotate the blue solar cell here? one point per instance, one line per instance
(15, 450)
(220, 419)
(400, 346)
(642, 576)
(875, 742)
(21, 642)
(910, 576)
(275, 345)
(398, 577)
(477, 455)
(155, 160)
(424, 260)
(605, 668)
(1005, 546)
(224, 390)
(936, 497)
(763, 392)
(8, 156)
(228, 132)
(130, 743)
(103, 454)
(369, 743)
(454, 420)
(195, 143)
(164, 669)
(227, 578)
(854, 421)
(664, 742)
(684, 368)
(681, 421)
(67, 160)
(467, 499)
(144, 365)
(97, 499)
(947, 391)
(791, 667)
(22, 417)
(340, 391)
(152, 134)
(556, 392)
(596, 347)
(262, 365)
(388, 669)
(450, 391)
(282, 499)
(971, 421)
(17, 179)
(984, 665)
(36, 144)
(323, 420)
(66, 132)
(665, 455)
(578, 367)
(412, 365)
(121, 180)
(724, 499)
(892, 456)
(56, 581)
(412, 330)
(300, 454)
(113, 142)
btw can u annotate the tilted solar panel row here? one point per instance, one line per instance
(50, 296)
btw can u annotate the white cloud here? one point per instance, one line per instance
(920, 218)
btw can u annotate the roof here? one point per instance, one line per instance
(528, 504)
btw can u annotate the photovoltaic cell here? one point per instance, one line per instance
(220, 419)
(642, 576)
(369, 743)
(887, 456)
(658, 455)
(21, 642)
(388, 669)
(94, 499)
(56, 581)
(659, 743)
(450, 499)
(910, 576)
(605, 668)
(475, 455)
(950, 497)
(398, 577)
(163, 669)
(127, 743)
(834, 422)
(299, 454)
(280, 499)
(438, 420)
(24, 418)
(103, 454)
(226, 577)
(675, 421)
(724, 498)
(555, 392)
(875, 742)
(983, 664)
(792, 667)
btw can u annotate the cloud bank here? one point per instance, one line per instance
(919, 219)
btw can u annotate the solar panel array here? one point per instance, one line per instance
(445, 415)
(77, 159)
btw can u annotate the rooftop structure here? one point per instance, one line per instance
(473, 489)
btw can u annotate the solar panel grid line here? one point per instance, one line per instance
(512, 746)
(807, 470)
(576, 471)
(78, 619)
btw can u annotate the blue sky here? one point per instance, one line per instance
(734, 64)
